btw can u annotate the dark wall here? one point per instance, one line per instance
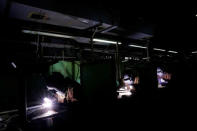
(8, 91)
(148, 83)
(98, 81)
(8, 85)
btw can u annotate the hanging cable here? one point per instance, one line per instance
(92, 45)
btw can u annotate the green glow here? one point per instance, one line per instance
(66, 69)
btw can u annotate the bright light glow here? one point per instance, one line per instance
(58, 92)
(49, 113)
(47, 103)
(170, 51)
(137, 46)
(46, 34)
(13, 64)
(157, 49)
(123, 93)
(126, 58)
(194, 52)
(106, 41)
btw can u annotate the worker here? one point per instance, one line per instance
(126, 88)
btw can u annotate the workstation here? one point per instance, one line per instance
(65, 65)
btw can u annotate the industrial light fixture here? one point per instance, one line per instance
(157, 49)
(137, 46)
(106, 41)
(65, 36)
(194, 52)
(46, 34)
(170, 51)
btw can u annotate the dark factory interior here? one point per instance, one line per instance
(96, 65)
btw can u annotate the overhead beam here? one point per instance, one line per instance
(69, 31)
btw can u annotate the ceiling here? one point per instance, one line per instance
(168, 26)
